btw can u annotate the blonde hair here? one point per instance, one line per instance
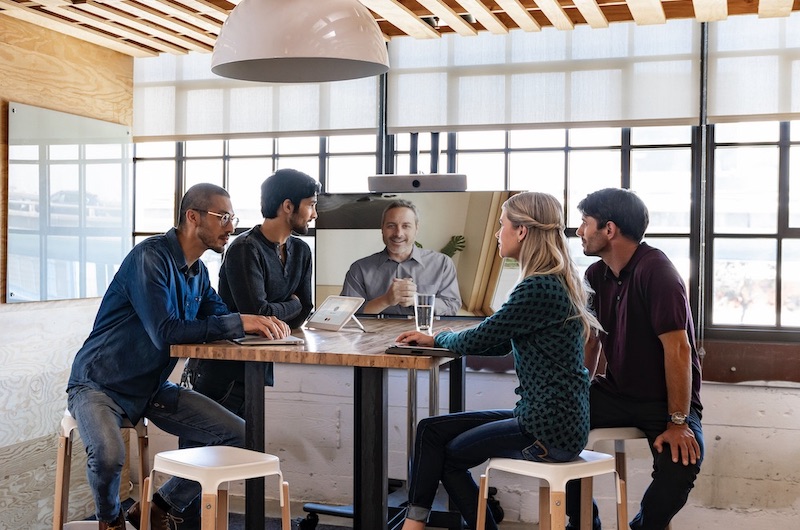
(544, 249)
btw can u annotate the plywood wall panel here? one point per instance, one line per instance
(45, 69)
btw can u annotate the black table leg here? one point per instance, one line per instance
(370, 455)
(255, 440)
(457, 369)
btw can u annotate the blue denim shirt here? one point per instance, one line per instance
(155, 300)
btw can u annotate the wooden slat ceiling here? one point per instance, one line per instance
(144, 28)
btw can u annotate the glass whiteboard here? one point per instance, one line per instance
(69, 204)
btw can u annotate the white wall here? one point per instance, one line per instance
(750, 479)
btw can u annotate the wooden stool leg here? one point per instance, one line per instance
(144, 463)
(483, 486)
(208, 517)
(622, 505)
(286, 517)
(587, 511)
(222, 509)
(63, 467)
(544, 507)
(558, 510)
(144, 502)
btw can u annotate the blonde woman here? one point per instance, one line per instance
(544, 324)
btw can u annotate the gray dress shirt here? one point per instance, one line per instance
(433, 272)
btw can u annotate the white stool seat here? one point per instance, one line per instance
(552, 499)
(67, 428)
(212, 467)
(618, 434)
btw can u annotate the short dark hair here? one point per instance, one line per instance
(622, 206)
(400, 203)
(286, 184)
(198, 197)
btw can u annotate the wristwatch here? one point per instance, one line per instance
(678, 418)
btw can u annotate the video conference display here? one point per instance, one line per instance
(348, 228)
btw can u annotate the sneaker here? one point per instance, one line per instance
(159, 519)
(116, 524)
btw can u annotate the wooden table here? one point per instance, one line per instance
(365, 353)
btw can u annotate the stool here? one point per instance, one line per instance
(552, 498)
(212, 466)
(64, 463)
(619, 435)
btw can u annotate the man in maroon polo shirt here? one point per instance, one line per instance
(652, 377)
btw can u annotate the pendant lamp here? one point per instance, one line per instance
(299, 41)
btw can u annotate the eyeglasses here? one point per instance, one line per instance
(224, 218)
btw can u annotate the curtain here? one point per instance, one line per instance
(625, 74)
(177, 97)
(754, 69)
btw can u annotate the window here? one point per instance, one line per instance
(754, 235)
(752, 195)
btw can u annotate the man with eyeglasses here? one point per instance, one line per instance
(265, 271)
(160, 296)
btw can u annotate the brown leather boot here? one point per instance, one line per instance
(116, 524)
(159, 519)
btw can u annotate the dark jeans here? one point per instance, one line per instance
(672, 481)
(448, 446)
(190, 415)
(222, 381)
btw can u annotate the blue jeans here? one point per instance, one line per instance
(672, 481)
(448, 446)
(100, 418)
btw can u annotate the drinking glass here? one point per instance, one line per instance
(423, 312)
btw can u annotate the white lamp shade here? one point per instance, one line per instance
(299, 41)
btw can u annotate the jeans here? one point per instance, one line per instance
(99, 420)
(447, 447)
(672, 481)
(226, 390)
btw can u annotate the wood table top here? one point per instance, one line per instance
(348, 347)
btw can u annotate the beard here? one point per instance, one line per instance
(213, 243)
(298, 226)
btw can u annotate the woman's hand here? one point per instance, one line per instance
(415, 338)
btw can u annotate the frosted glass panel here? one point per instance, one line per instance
(69, 204)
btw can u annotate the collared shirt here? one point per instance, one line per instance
(155, 300)
(537, 324)
(647, 300)
(433, 272)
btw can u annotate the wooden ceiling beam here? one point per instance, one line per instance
(710, 10)
(774, 8)
(180, 12)
(116, 28)
(203, 7)
(145, 26)
(645, 12)
(519, 14)
(592, 13)
(402, 17)
(484, 15)
(555, 14)
(449, 17)
(177, 25)
(88, 34)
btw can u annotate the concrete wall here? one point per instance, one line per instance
(750, 479)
